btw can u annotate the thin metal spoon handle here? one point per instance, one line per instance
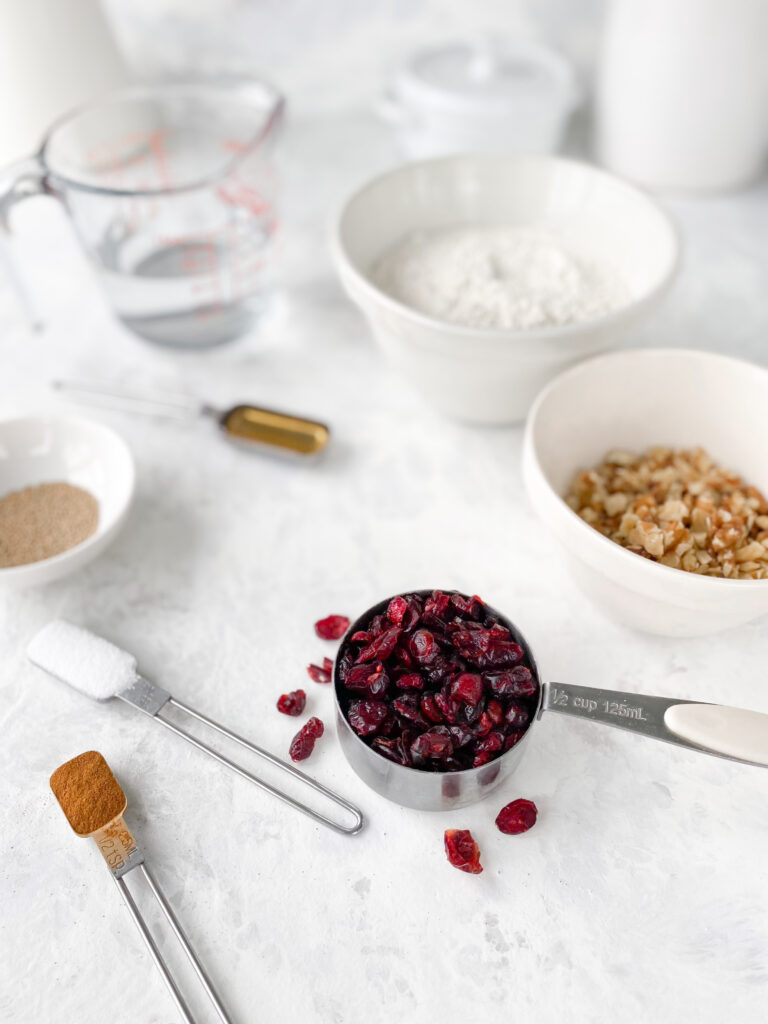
(322, 819)
(178, 931)
(733, 733)
(154, 952)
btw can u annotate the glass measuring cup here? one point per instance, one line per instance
(733, 733)
(171, 189)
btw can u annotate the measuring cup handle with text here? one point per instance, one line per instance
(733, 733)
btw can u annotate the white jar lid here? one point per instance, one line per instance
(486, 80)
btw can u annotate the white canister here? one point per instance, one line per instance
(682, 95)
(460, 98)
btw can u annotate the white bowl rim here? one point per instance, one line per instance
(628, 557)
(559, 332)
(11, 571)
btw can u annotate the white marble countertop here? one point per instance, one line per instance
(642, 892)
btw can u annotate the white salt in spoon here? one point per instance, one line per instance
(101, 670)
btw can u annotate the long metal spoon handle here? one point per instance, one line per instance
(154, 952)
(733, 733)
(265, 755)
(171, 405)
(178, 931)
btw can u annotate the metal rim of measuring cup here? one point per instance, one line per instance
(411, 787)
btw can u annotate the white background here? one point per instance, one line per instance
(641, 893)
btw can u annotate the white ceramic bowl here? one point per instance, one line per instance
(488, 375)
(50, 449)
(633, 400)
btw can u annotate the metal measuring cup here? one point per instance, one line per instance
(733, 733)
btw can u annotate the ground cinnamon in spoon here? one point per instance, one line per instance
(44, 520)
(88, 792)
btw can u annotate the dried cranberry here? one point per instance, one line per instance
(410, 681)
(430, 709)
(362, 636)
(484, 724)
(392, 749)
(435, 744)
(318, 674)
(396, 610)
(449, 708)
(381, 646)
(408, 706)
(402, 657)
(471, 606)
(292, 703)
(516, 817)
(515, 682)
(468, 688)
(462, 851)
(423, 647)
(516, 716)
(367, 716)
(440, 669)
(303, 743)
(332, 628)
(369, 679)
(438, 604)
(461, 735)
(495, 712)
(328, 665)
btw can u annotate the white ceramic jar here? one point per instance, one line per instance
(457, 99)
(682, 93)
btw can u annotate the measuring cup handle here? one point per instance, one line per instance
(733, 733)
(18, 181)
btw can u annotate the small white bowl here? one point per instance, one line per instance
(54, 449)
(635, 399)
(492, 375)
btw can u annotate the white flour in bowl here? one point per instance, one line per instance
(506, 277)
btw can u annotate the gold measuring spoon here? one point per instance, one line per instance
(246, 425)
(90, 795)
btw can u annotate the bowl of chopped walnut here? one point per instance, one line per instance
(650, 468)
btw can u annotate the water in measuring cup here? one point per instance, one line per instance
(193, 292)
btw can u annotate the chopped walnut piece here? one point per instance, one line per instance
(679, 508)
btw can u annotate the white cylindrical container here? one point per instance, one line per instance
(454, 99)
(53, 56)
(682, 93)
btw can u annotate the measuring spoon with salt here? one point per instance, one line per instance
(122, 854)
(248, 426)
(101, 670)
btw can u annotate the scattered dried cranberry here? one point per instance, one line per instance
(332, 628)
(303, 743)
(318, 674)
(516, 817)
(453, 683)
(462, 851)
(292, 703)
